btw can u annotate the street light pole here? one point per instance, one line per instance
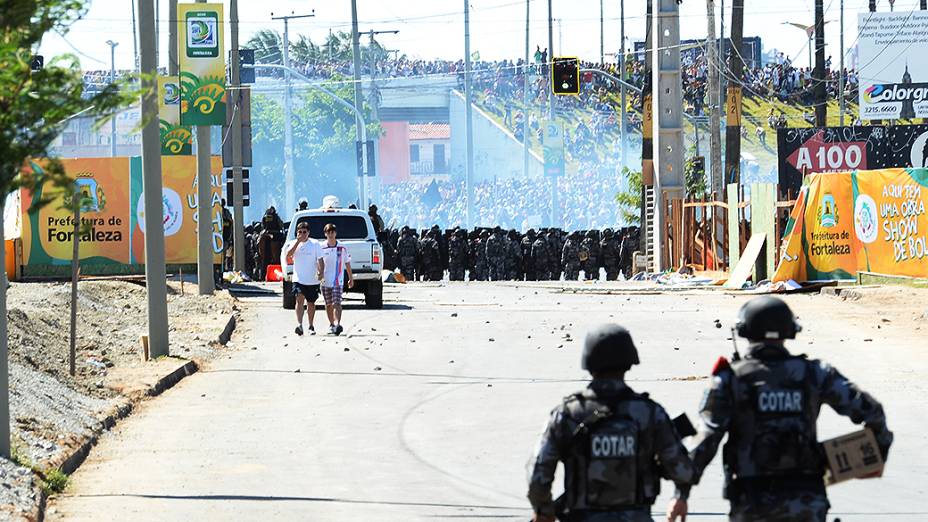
(622, 76)
(356, 59)
(112, 45)
(551, 111)
(289, 177)
(841, 69)
(468, 123)
(525, 86)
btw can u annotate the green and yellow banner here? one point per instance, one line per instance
(176, 140)
(867, 220)
(202, 64)
(113, 216)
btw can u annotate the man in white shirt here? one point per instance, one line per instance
(304, 254)
(335, 262)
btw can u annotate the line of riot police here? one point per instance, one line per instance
(495, 254)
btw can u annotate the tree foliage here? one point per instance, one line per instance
(629, 201)
(324, 138)
(36, 106)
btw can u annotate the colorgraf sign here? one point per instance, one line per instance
(893, 57)
(870, 221)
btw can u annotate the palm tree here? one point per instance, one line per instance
(304, 50)
(267, 45)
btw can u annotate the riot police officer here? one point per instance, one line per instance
(615, 443)
(773, 465)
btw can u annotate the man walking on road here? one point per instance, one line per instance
(335, 261)
(305, 254)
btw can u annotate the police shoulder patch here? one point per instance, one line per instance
(720, 365)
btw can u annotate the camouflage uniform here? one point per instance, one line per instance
(627, 250)
(430, 255)
(514, 257)
(773, 466)
(601, 481)
(496, 256)
(480, 256)
(554, 260)
(407, 249)
(570, 258)
(541, 256)
(609, 246)
(528, 264)
(589, 256)
(457, 256)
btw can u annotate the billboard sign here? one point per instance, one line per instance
(202, 65)
(893, 57)
(843, 149)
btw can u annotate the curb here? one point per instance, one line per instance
(71, 462)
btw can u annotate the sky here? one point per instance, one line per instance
(435, 28)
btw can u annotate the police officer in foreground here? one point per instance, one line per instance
(615, 444)
(768, 403)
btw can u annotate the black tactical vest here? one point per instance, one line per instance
(772, 432)
(611, 465)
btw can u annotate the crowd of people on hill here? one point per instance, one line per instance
(586, 199)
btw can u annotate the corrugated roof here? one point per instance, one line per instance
(429, 131)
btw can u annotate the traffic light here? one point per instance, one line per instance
(565, 76)
(37, 63)
(246, 74)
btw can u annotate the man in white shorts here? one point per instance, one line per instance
(336, 261)
(304, 254)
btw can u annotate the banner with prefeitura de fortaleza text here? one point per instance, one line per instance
(866, 220)
(113, 215)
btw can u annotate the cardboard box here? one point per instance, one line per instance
(850, 456)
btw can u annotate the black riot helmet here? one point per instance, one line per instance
(609, 348)
(767, 318)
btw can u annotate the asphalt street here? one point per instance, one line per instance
(430, 408)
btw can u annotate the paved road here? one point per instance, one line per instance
(416, 413)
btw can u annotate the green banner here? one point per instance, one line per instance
(202, 64)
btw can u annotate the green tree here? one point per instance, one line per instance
(34, 109)
(323, 138)
(629, 201)
(268, 46)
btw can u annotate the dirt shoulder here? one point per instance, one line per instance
(54, 414)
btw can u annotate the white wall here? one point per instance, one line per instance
(497, 153)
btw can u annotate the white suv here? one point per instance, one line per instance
(356, 233)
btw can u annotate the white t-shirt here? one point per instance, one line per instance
(305, 260)
(335, 259)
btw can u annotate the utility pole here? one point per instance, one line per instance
(733, 110)
(374, 103)
(818, 75)
(602, 56)
(356, 59)
(135, 42)
(205, 283)
(647, 137)
(173, 63)
(525, 86)
(721, 56)
(289, 177)
(715, 121)
(551, 111)
(841, 68)
(112, 45)
(235, 127)
(151, 185)
(468, 122)
(622, 95)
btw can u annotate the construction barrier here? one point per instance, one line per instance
(867, 220)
